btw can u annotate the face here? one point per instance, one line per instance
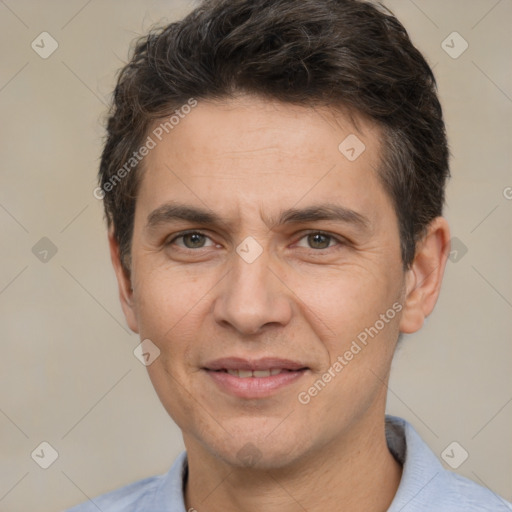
(259, 246)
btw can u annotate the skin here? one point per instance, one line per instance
(303, 298)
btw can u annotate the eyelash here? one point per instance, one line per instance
(339, 241)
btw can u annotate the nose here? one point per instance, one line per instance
(252, 297)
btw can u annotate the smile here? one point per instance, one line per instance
(244, 374)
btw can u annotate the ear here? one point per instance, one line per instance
(126, 294)
(424, 277)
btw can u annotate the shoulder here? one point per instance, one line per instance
(128, 498)
(426, 485)
(148, 495)
(454, 493)
(457, 493)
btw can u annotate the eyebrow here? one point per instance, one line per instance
(171, 212)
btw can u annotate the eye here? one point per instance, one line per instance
(319, 240)
(191, 240)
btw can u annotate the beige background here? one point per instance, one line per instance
(68, 374)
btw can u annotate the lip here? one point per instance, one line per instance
(254, 387)
(264, 363)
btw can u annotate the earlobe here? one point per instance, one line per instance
(424, 277)
(124, 283)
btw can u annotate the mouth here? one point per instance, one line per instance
(244, 374)
(254, 378)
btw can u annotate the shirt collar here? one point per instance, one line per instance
(419, 464)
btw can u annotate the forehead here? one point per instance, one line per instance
(248, 154)
(245, 126)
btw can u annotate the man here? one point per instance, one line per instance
(273, 182)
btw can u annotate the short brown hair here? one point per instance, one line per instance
(351, 53)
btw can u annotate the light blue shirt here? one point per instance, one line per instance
(425, 485)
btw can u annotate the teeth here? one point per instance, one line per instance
(261, 373)
(243, 374)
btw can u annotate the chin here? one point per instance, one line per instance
(259, 452)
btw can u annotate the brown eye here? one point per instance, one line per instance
(318, 240)
(192, 240)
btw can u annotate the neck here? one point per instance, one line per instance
(355, 473)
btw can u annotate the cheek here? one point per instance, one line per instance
(344, 301)
(173, 392)
(170, 310)
(167, 299)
